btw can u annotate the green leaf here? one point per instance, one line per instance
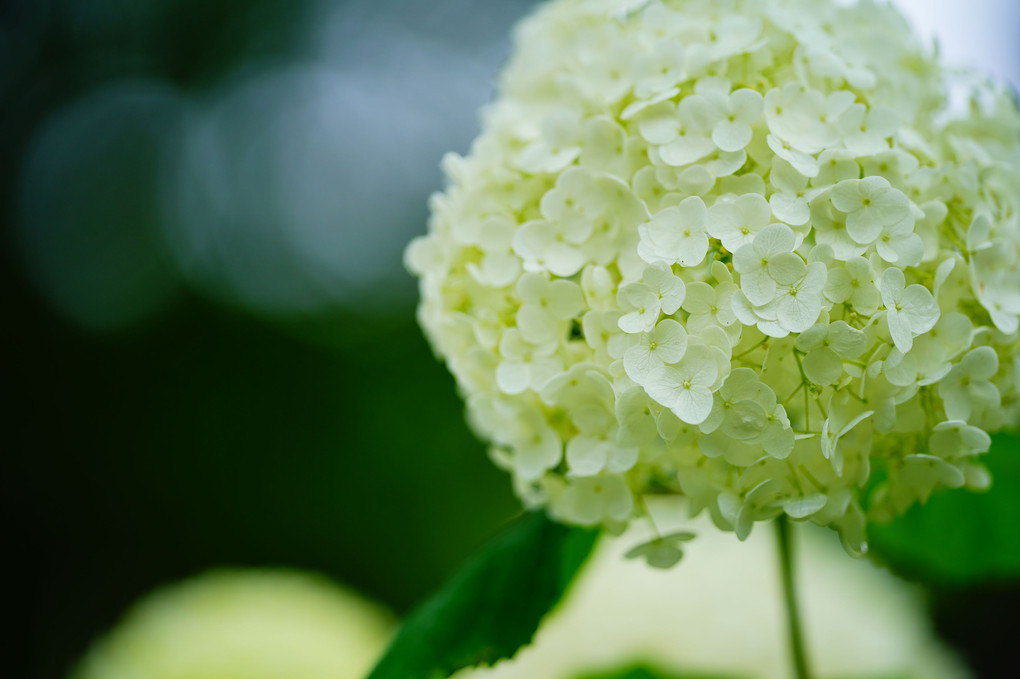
(493, 605)
(961, 537)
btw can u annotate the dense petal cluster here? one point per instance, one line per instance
(742, 251)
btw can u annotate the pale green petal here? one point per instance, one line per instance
(822, 366)
(957, 438)
(899, 330)
(513, 377)
(692, 405)
(532, 287)
(746, 105)
(586, 456)
(640, 362)
(863, 227)
(812, 338)
(790, 208)
(659, 124)
(839, 288)
(797, 313)
(848, 342)
(536, 324)
(774, 239)
(744, 420)
(981, 363)
(920, 308)
(928, 471)
(700, 298)
(846, 195)
(731, 136)
(778, 440)
(636, 417)
(686, 149)
(621, 458)
(955, 401)
(758, 286)
(786, 268)
(670, 340)
(803, 507)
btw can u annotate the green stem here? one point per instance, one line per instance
(790, 598)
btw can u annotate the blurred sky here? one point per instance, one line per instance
(979, 34)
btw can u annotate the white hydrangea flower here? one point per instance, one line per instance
(910, 310)
(552, 246)
(688, 130)
(525, 366)
(866, 131)
(641, 307)
(729, 116)
(767, 263)
(546, 306)
(725, 252)
(668, 288)
(664, 345)
(736, 222)
(871, 205)
(707, 305)
(853, 283)
(676, 235)
(660, 69)
(826, 347)
(967, 388)
(791, 199)
(955, 438)
(558, 147)
(536, 446)
(798, 115)
(589, 455)
(590, 500)
(686, 388)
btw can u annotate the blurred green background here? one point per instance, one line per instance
(212, 354)
(261, 397)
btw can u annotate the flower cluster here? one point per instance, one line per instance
(742, 251)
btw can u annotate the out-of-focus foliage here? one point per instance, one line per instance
(219, 440)
(493, 605)
(162, 424)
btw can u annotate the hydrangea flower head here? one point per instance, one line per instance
(744, 252)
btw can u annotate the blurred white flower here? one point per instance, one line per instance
(253, 624)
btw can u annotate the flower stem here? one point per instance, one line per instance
(794, 627)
